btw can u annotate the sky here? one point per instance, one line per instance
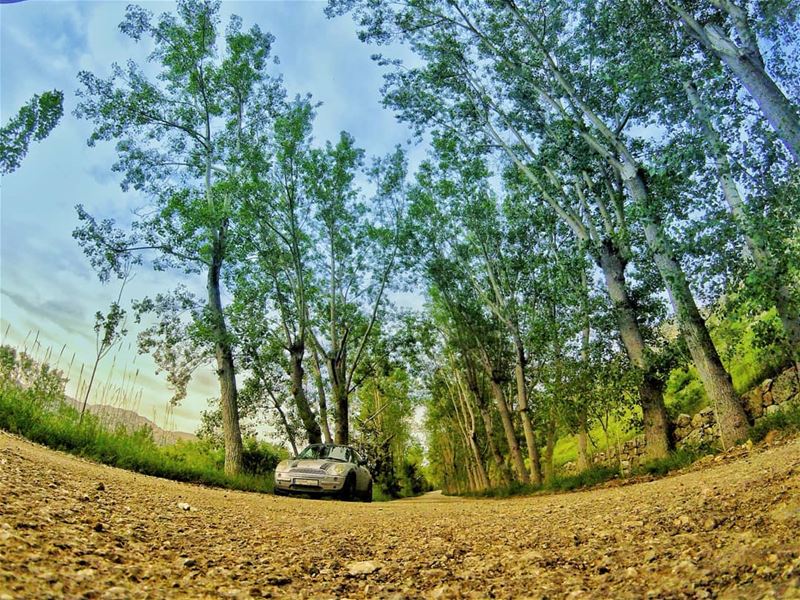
(48, 292)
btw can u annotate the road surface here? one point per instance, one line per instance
(75, 529)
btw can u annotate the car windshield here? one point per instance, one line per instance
(316, 451)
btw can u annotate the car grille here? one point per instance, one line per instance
(313, 471)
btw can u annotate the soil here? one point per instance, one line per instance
(75, 529)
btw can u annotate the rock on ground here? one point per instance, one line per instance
(729, 529)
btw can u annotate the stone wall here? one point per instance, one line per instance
(763, 400)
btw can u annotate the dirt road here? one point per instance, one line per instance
(70, 528)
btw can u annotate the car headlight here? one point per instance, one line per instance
(336, 468)
(282, 466)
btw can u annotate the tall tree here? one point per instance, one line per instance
(725, 29)
(275, 251)
(184, 139)
(514, 74)
(359, 246)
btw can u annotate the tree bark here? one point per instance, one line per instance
(323, 405)
(470, 434)
(651, 400)
(765, 262)
(775, 106)
(508, 428)
(583, 442)
(522, 408)
(296, 354)
(287, 428)
(341, 402)
(488, 423)
(550, 445)
(747, 65)
(225, 367)
(731, 418)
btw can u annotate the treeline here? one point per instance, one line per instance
(296, 243)
(604, 178)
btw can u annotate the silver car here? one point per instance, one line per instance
(325, 469)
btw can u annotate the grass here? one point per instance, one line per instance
(566, 448)
(787, 420)
(677, 459)
(52, 422)
(563, 483)
(598, 474)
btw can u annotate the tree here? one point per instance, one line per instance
(34, 122)
(185, 139)
(358, 253)
(274, 272)
(109, 330)
(521, 90)
(729, 35)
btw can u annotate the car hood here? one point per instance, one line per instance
(309, 463)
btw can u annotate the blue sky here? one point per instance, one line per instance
(46, 285)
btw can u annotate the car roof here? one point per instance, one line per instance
(333, 445)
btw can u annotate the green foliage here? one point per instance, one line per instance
(261, 458)
(383, 433)
(34, 122)
(787, 419)
(677, 459)
(684, 393)
(35, 407)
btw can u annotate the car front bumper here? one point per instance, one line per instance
(308, 483)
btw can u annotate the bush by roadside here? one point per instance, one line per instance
(33, 405)
(785, 420)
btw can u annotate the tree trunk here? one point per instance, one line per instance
(296, 354)
(781, 296)
(730, 414)
(654, 412)
(774, 105)
(550, 445)
(225, 368)
(287, 428)
(323, 405)
(340, 401)
(477, 391)
(88, 389)
(508, 428)
(583, 442)
(481, 477)
(522, 408)
(488, 425)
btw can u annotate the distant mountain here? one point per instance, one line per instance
(112, 416)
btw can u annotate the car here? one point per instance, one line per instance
(332, 469)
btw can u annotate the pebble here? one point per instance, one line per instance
(364, 567)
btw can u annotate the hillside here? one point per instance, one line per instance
(113, 416)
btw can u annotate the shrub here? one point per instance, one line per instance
(676, 459)
(32, 404)
(589, 477)
(786, 419)
(261, 458)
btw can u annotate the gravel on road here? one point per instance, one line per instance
(76, 529)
